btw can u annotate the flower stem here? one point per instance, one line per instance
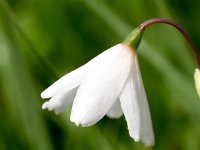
(179, 28)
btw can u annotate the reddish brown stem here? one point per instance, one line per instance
(178, 27)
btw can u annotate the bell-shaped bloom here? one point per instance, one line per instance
(197, 80)
(110, 84)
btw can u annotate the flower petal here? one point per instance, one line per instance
(66, 83)
(59, 102)
(101, 86)
(74, 78)
(135, 107)
(116, 111)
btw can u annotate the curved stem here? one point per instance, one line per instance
(178, 27)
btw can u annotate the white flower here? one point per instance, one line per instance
(110, 84)
(197, 81)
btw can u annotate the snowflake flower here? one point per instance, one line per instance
(111, 84)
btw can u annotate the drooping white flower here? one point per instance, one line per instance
(110, 84)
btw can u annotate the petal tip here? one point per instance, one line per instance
(45, 105)
(80, 122)
(44, 95)
(76, 122)
(111, 116)
(136, 138)
(149, 144)
(47, 94)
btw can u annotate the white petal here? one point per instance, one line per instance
(135, 108)
(66, 83)
(116, 110)
(59, 102)
(102, 86)
(74, 78)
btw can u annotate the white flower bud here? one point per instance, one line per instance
(197, 80)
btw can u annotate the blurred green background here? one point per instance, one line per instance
(41, 40)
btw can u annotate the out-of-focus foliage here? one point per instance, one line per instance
(41, 40)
